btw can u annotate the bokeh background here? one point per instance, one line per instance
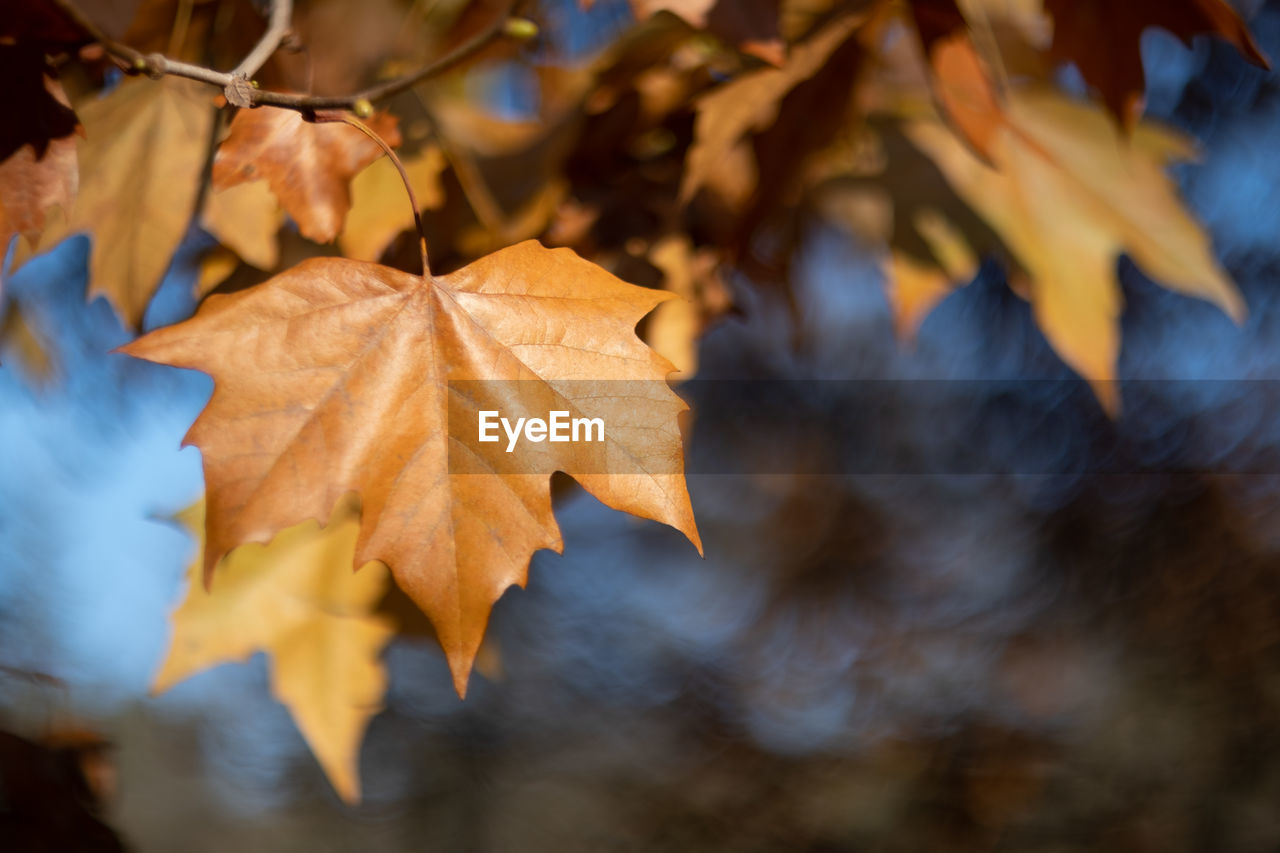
(1024, 642)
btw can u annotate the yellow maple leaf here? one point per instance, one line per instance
(246, 218)
(298, 600)
(1068, 194)
(140, 165)
(379, 208)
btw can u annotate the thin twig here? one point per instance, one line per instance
(157, 65)
(495, 29)
(280, 22)
(43, 679)
(322, 118)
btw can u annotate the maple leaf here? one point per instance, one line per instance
(960, 80)
(140, 165)
(1067, 196)
(1103, 39)
(245, 218)
(336, 375)
(297, 600)
(308, 166)
(749, 105)
(30, 186)
(379, 210)
(38, 152)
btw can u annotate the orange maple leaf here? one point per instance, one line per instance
(966, 96)
(30, 186)
(340, 375)
(308, 166)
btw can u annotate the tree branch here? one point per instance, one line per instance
(133, 61)
(280, 22)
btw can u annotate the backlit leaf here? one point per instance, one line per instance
(308, 166)
(297, 600)
(140, 165)
(1067, 196)
(335, 376)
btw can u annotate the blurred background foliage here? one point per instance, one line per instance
(944, 661)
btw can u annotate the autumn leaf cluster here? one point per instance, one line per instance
(345, 294)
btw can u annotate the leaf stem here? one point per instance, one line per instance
(326, 117)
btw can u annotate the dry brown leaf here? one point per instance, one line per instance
(1067, 197)
(31, 187)
(335, 375)
(380, 207)
(297, 600)
(748, 105)
(38, 148)
(308, 166)
(246, 218)
(1103, 39)
(960, 80)
(140, 165)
